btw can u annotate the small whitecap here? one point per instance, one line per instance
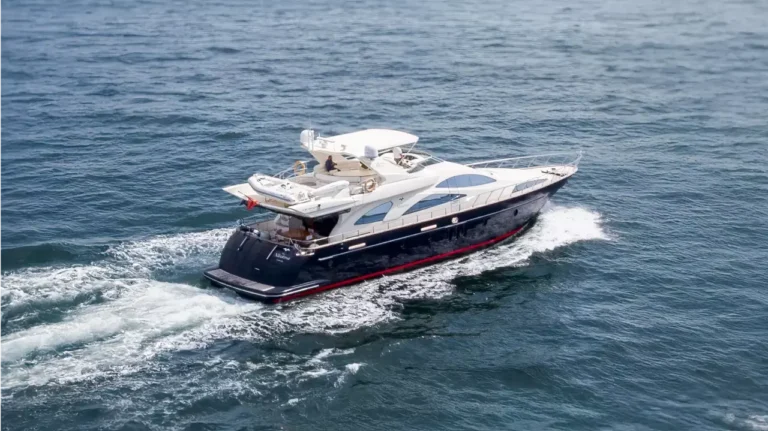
(353, 368)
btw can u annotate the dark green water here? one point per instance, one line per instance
(637, 302)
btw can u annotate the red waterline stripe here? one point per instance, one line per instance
(399, 267)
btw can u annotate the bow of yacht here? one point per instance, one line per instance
(370, 204)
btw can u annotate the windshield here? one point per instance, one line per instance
(424, 163)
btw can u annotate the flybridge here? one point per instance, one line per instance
(358, 170)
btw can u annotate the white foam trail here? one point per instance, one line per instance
(117, 337)
(125, 265)
(171, 251)
(557, 227)
(327, 353)
(751, 423)
(349, 370)
(123, 335)
(757, 422)
(354, 367)
(56, 284)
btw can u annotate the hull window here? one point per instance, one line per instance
(432, 201)
(376, 214)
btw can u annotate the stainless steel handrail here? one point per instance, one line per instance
(290, 172)
(255, 219)
(560, 159)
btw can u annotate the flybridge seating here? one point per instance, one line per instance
(362, 161)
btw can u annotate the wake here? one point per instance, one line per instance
(140, 317)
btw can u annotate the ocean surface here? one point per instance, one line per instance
(639, 300)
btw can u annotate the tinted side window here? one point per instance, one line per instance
(376, 214)
(468, 180)
(423, 164)
(479, 180)
(447, 183)
(432, 201)
(528, 184)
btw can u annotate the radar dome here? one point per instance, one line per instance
(371, 152)
(306, 137)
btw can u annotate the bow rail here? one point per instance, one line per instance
(560, 159)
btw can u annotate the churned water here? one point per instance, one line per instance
(638, 300)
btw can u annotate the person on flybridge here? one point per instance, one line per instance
(329, 165)
(397, 153)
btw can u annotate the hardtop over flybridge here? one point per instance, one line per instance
(371, 204)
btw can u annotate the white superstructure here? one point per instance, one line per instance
(381, 182)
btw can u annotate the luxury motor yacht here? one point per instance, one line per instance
(370, 204)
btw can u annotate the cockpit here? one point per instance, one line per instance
(411, 161)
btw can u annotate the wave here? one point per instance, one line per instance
(40, 254)
(120, 267)
(750, 423)
(117, 337)
(145, 317)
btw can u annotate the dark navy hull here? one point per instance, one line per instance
(272, 272)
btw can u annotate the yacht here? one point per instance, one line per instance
(370, 204)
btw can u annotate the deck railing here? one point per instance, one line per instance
(291, 172)
(256, 219)
(554, 159)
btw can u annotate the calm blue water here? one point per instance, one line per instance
(638, 301)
